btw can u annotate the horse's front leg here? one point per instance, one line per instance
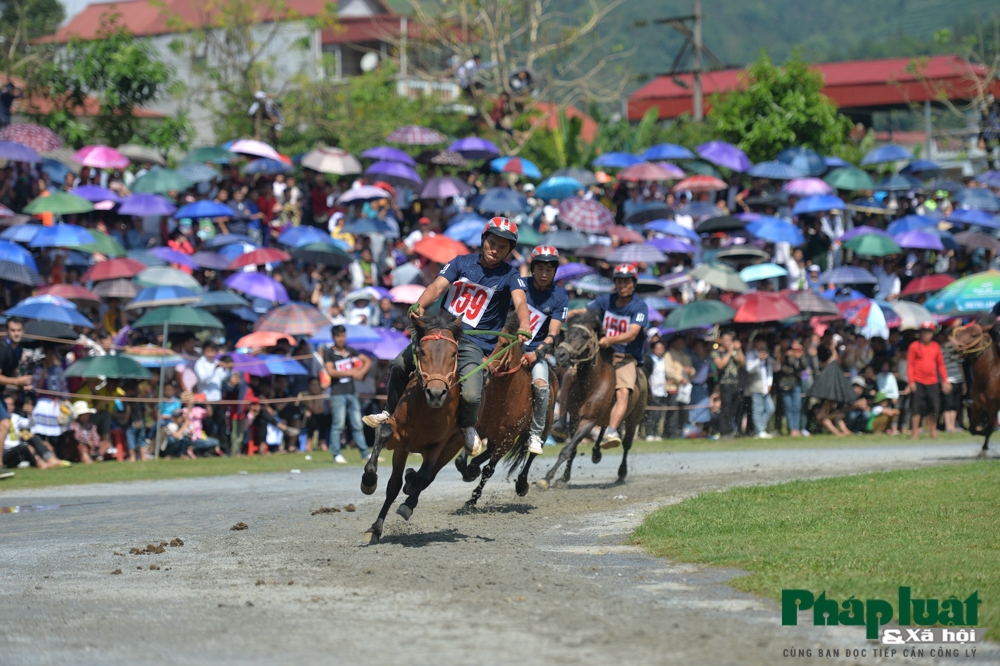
(392, 489)
(478, 492)
(521, 485)
(369, 480)
(567, 454)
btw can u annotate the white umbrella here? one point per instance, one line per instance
(912, 315)
(254, 147)
(331, 160)
(363, 193)
(142, 154)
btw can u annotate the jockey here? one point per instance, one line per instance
(547, 305)
(479, 289)
(624, 317)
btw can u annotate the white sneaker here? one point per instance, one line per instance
(650, 438)
(535, 444)
(24, 464)
(805, 433)
(375, 420)
(340, 459)
(473, 444)
(764, 435)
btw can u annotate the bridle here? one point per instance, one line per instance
(591, 350)
(448, 379)
(499, 361)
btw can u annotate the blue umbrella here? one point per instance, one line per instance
(670, 244)
(234, 250)
(145, 257)
(219, 301)
(244, 313)
(527, 168)
(558, 187)
(671, 228)
(76, 259)
(266, 166)
(55, 169)
(762, 272)
(469, 215)
(921, 166)
(806, 160)
(898, 182)
(62, 235)
(836, 162)
(468, 232)
(49, 312)
(500, 200)
(95, 193)
(474, 148)
(13, 252)
(201, 209)
(836, 297)
(775, 171)
(971, 216)
(282, 365)
(152, 297)
(847, 275)
(978, 198)
(365, 225)
(198, 173)
(227, 239)
(910, 223)
(817, 204)
(50, 299)
(355, 334)
(667, 151)
(890, 153)
(776, 231)
(660, 303)
(302, 235)
(617, 160)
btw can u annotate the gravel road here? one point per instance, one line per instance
(543, 579)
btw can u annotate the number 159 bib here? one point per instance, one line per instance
(468, 300)
(615, 325)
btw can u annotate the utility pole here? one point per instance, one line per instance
(696, 97)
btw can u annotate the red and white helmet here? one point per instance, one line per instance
(626, 271)
(502, 227)
(544, 253)
(928, 326)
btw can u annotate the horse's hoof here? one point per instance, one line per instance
(368, 490)
(471, 474)
(369, 539)
(560, 483)
(408, 473)
(543, 484)
(404, 511)
(620, 481)
(369, 483)
(982, 453)
(521, 487)
(596, 456)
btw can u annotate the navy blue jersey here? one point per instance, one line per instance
(543, 306)
(617, 320)
(481, 296)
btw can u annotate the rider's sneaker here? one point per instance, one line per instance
(611, 439)
(535, 445)
(560, 428)
(375, 420)
(473, 444)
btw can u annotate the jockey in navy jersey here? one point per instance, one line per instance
(547, 305)
(479, 288)
(625, 318)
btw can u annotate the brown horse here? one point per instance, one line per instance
(592, 395)
(505, 420)
(978, 343)
(425, 420)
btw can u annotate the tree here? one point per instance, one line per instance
(21, 22)
(779, 107)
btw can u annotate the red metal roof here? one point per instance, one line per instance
(858, 83)
(380, 28)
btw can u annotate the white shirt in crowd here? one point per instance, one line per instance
(211, 378)
(886, 383)
(761, 372)
(658, 378)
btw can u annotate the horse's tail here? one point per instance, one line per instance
(517, 455)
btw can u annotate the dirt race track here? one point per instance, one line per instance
(543, 579)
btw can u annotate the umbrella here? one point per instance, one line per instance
(921, 166)
(214, 154)
(839, 296)
(660, 303)
(776, 230)
(500, 201)
(832, 385)
(406, 293)
(667, 151)
(719, 275)
(439, 248)
(702, 168)
(101, 157)
(850, 178)
(174, 257)
(811, 304)
(595, 252)
(46, 329)
(672, 228)
(19, 273)
(16, 152)
(245, 313)
(363, 193)
(251, 365)
(14, 253)
(615, 160)
(946, 184)
(255, 148)
(700, 183)
(582, 176)
(639, 253)
(978, 198)
(975, 239)
(62, 235)
(911, 223)
(805, 187)
(873, 245)
(388, 154)
(806, 160)
(699, 313)
(297, 236)
(263, 339)
(444, 187)
(266, 166)
(113, 269)
(220, 301)
(442, 157)
(775, 171)
(228, 239)
(49, 312)
(587, 215)
(117, 288)
(648, 211)
(142, 154)
(760, 306)
(975, 293)
(469, 231)
(283, 365)
(363, 226)
(899, 182)
(645, 171)
(49, 299)
(145, 205)
(414, 135)
(178, 318)
(919, 240)
(264, 255)
(725, 155)
(163, 276)
(565, 240)
(152, 297)
(103, 244)
(720, 223)
(743, 253)
(979, 218)
(203, 209)
(145, 257)
(847, 275)
(817, 204)
(517, 165)
(293, 319)
(258, 285)
(38, 138)
(116, 367)
(558, 187)
(671, 245)
(863, 229)
(210, 260)
(675, 172)
(573, 271)
(474, 148)
(326, 254)
(762, 272)
(912, 315)
(58, 203)
(888, 153)
(594, 284)
(927, 283)
(198, 173)
(72, 292)
(391, 344)
(874, 319)
(95, 193)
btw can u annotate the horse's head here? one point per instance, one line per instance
(437, 356)
(581, 335)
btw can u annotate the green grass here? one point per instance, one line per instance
(933, 529)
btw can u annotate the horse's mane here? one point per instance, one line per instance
(591, 319)
(438, 322)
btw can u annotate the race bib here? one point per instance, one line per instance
(615, 325)
(468, 300)
(344, 365)
(535, 319)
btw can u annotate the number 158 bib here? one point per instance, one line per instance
(468, 300)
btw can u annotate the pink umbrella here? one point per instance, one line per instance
(406, 293)
(807, 187)
(101, 157)
(675, 171)
(254, 147)
(645, 171)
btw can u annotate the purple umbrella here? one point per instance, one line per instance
(95, 193)
(676, 173)
(806, 187)
(667, 244)
(474, 148)
(394, 173)
(146, 205)
(258, 285)
(444, 187)
(865, 229)
(725, 155)
(389, 154)
(210, 260)
(573, 271)
(174, 257)
(637, 253)
(748, 217)
(918, 240)
(389, 347)
(15, 152)
(248, 364)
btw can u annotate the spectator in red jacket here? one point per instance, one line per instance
(927, 377)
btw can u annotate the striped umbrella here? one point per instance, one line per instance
(146, 258)
(118, 288)
(625, 234)
(414, 135)
(637, 253)
(586, 215)
(152, 297)
(12, 272)
(293, 319)
(36, 137)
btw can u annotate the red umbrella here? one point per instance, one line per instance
(625, 234)
(439, 248)
(922, 285)
(645, 171)
(700, 183)
(760, 306)
(263, 339)
(265, 255)
(38, 138)
(72, 292)
(113, 269)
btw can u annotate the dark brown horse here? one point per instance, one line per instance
(978, 343)
(505, 419)
(592, 395)
(425, 420)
